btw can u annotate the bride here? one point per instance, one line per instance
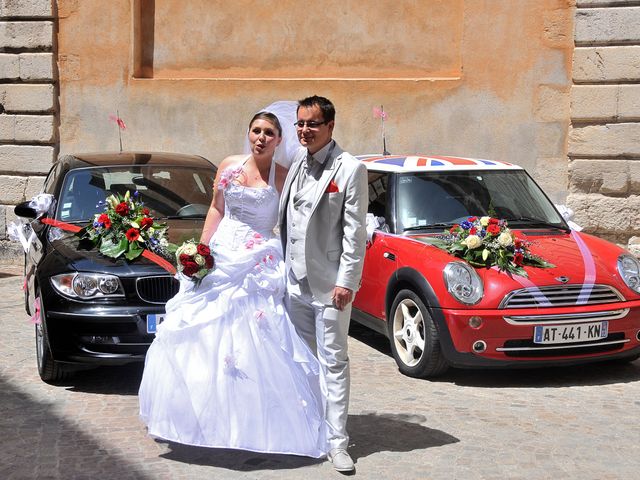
(226, 368)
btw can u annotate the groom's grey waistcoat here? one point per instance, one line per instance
(324, 238)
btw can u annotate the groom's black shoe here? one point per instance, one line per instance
(341, 460)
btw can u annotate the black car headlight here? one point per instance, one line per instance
(84, 286)
(629, 270)
(463, 283)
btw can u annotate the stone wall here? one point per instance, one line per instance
(604, 139)
(28, 98)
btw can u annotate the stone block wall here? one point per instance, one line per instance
(28, 106)
(604, 139)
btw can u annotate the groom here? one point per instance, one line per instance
(322, 224)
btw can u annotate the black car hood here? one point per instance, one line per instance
(81, 257)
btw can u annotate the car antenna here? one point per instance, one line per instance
(382, 115)
(121, 126)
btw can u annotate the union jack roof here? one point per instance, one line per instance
(417, 163)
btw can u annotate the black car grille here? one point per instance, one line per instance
(560, 296)
(157, 289)
(528, 349)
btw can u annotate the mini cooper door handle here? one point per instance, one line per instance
(389, 256)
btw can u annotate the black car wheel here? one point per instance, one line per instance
(49, 370)
(414, 339)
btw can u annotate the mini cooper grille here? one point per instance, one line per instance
(560, 296)
(157, 289)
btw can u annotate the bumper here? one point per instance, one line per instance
(507, 336)
(99, 336)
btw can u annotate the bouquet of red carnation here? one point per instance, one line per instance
(126, 228)
(194, 260)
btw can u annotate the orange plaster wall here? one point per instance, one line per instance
(464, 77)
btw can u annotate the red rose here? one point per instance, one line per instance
(122, 209)
(145, 211)
(190, 268)
(472, 219)
(203, 250)
(208, 261)
(104, 220)
(453, 229)
(132, 234)
(517, 243)
(184, 258)
(518, 258)
(493, 229)
(473, 231)
(493, 221)
(146, 223)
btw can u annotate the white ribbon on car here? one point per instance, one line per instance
(374, 223)
(43, 203)
(21, 231)
(567, 213)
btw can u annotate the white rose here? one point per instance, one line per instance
(473, 241)
(199, 259)
(190, 249)
(505, 239)
(484, 221)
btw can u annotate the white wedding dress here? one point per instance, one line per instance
(226, 368)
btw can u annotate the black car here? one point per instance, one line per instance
(95, 309)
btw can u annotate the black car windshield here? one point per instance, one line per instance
(167, 191)
(438, 199)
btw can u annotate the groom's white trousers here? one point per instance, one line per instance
(325, 329)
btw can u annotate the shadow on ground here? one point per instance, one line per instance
(601, 373)
(120, 380)
(35, 442)
(370, 433)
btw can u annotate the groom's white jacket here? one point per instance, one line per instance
(335, 239)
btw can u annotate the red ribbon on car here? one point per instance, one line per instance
(149, 255)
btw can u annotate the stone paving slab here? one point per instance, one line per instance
(569, 423)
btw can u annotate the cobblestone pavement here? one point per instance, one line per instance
(569, 423)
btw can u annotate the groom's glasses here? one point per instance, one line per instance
(312, 125)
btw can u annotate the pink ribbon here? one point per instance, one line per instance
(589, 268)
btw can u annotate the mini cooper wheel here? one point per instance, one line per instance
(49, 370)
(414, 339)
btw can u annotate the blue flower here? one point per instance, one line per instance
(153, 240)
(466, 225)
(136, 193)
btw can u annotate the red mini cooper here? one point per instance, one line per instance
(440, 311)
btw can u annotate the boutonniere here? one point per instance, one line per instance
(332, 187)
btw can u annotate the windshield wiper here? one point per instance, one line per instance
(425, 227)
(186, 217)
(536, 222)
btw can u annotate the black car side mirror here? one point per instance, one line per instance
(24, 210)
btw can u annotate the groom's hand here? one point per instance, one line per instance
(341, 297)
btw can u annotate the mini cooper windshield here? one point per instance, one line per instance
(435, 200)
(167, 191)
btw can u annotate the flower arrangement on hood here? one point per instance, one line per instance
(126, 228)
(194, 260)
(488, 242)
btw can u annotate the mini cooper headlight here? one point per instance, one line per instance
(463, 283)
(629, 270)
(84, 286)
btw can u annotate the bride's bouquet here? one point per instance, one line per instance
(194, 260)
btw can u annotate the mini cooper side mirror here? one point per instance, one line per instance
(25, 210)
